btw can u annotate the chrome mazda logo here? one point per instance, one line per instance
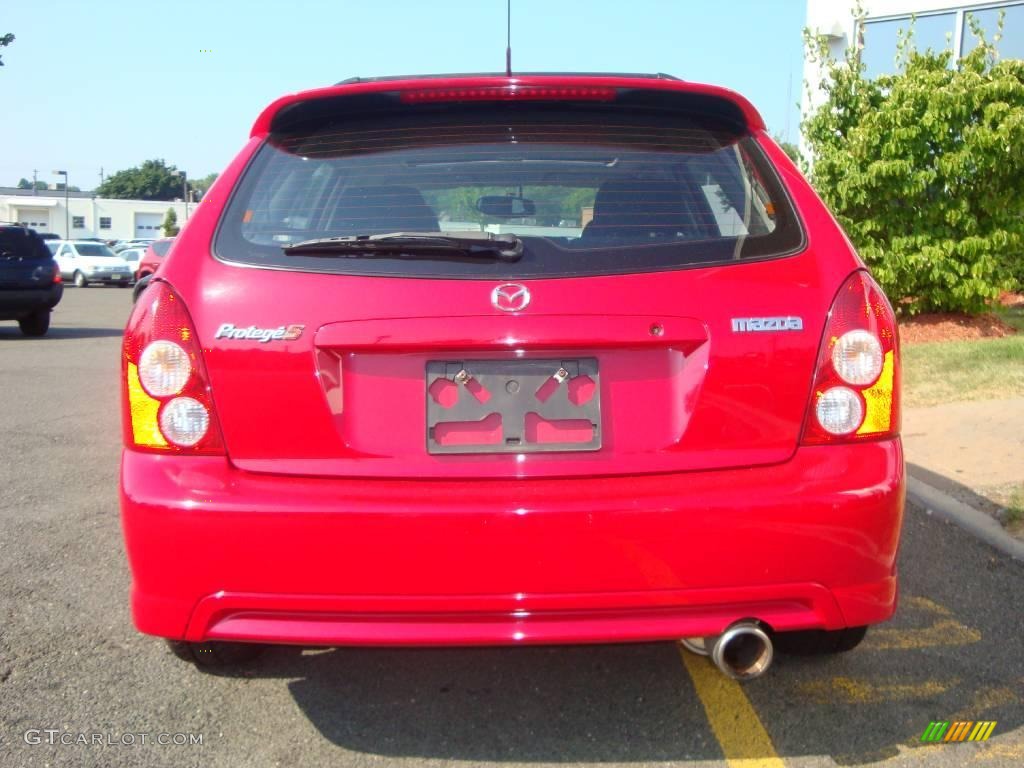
(510, 297)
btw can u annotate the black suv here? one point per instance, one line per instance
(30, 282)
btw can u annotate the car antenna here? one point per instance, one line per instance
(508, 39)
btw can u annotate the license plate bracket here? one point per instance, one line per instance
(513, 406)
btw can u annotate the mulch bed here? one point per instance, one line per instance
(947, 326)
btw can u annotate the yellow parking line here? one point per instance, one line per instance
(984, 700)
(944, 631)
(848, 690)
(925, 604)
(743, 738)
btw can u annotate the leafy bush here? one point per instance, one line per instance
(170, 225)
(925, 171)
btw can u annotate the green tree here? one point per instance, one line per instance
(170, 225)
(5, 40)
(201, 185)
(153, 180)
(791, 149)
(923, 168)
(24, 183)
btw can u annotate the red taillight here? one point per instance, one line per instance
(510, 93)
(56, 274)
(857, 380)
(167, 406)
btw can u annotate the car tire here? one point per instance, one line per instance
(36, 324)
(215, 655)
(80, 281)
(819, 642)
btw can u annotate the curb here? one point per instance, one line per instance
(976, 523)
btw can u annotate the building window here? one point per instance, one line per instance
(1011, 46)
(104, 222)
(78, 222)
(935, 32)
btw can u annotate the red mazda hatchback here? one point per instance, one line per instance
(468, 360)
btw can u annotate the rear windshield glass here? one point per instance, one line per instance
(588, 190)
(93, 249)
(16, 243)
(160, 247)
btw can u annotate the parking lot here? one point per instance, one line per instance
(70, 659)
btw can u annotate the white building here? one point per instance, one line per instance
(86, 215)
(937, 24)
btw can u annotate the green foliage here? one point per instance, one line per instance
(24, 183)
(5, 40)
(153, 180)
(553, 203)
(791, 149)
(201, 185)
(170, 225)
(923, 168)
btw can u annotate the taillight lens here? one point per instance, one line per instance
(164, 368)
(184, 421)
(166, 392)
(56, 274)
(857, 380)
(857, 357)
(839, 410)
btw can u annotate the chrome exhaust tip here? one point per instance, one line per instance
(743, 652)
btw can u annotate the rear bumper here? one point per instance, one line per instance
(18, 303)
(125, 279)
(218, 553)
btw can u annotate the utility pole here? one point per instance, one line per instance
(184, 189)
(102, 179)
(34, 174)
(67, 210)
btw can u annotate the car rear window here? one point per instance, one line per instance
(589, 189)
(93, 249)
(160, 247)
(22, 244)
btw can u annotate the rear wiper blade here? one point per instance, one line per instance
(413, 244)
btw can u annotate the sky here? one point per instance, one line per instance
(91, 84)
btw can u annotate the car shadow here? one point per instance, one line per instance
(11, 332)
(531, 704)
(951, 487)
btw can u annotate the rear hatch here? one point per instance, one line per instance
(25, 261)
(664, 313)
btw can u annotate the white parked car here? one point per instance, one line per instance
(139, 242)
(84, 262)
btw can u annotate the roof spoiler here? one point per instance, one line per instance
(291, 111)
(461, 75)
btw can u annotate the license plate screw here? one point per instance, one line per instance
(462, 376)
(561, 375)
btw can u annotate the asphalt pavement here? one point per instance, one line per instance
(73, 669)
